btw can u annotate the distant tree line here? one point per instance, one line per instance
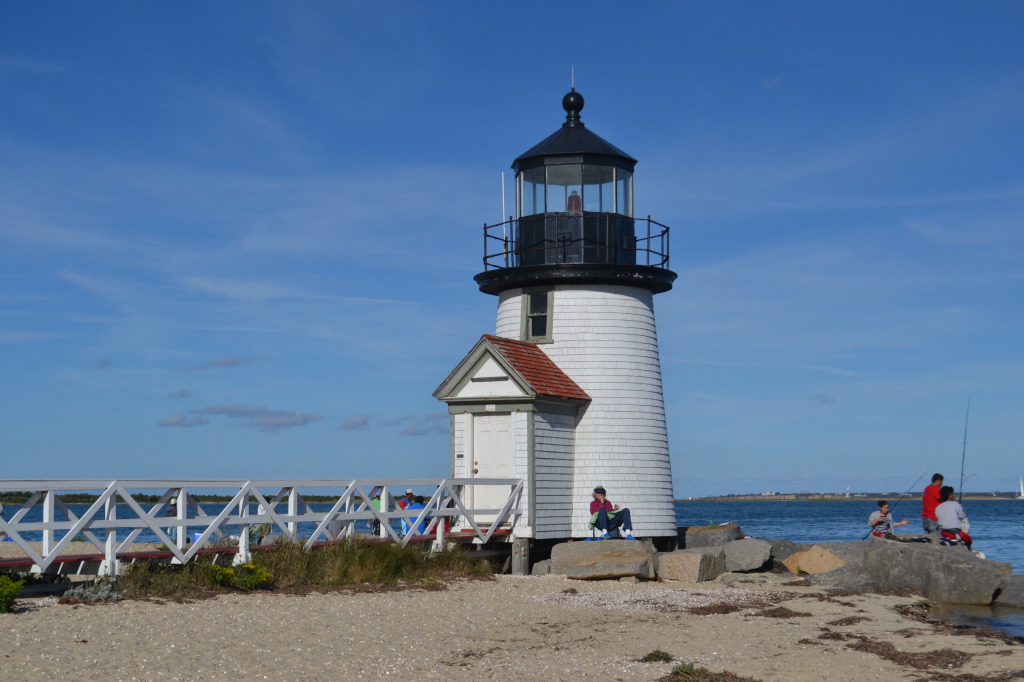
(22, 496)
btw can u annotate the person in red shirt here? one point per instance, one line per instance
(929, 501)
(609, 516)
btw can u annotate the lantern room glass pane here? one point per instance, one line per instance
(597, 182)
(532, 192)
(624, 192)
(608, 196)
(565, 188)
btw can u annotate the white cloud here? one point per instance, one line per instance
(224, 363)
(30, 337)
(181, 420)
(355, 422)
(260, 417)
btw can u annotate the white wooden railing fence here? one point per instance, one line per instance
(100, 523)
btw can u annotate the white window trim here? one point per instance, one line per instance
(525, 321)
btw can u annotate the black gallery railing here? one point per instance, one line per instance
(576, 238)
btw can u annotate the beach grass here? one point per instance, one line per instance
(688, 672)
(349, 564)
(290, 568)
(656, 656)
(193, 580)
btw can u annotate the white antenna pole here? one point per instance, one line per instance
(572, 77)
(504, 225)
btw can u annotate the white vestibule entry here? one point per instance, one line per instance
(513, 414)
(492, 455)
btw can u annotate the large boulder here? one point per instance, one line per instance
(604, 559)
(851, 576)
(1005, 566)
(706, 536)
(747, 555)
(691, 565)
(817, 559)
(945, 574)
(541, 567)
(1011, 591)
(782, 549)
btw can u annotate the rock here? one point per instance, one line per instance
(747, 555)
(1005, 566)
(541, 567)
(755, 580)
(782, 549)
(691, 565)
(814, 560)
(851, 577)
(604, 559)
(946, 574)
(703, 536)
(629, 579)
(271, 540)
(1011, 591)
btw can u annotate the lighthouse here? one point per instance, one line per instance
(566, 394)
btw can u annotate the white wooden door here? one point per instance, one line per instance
(493, 448)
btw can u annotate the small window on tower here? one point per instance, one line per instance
(537, 316)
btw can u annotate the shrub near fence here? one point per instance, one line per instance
(9, 590)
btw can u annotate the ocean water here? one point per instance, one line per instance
(997, 526)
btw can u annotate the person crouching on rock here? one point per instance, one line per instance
(881, 521)
(605, 516)
(951, 519)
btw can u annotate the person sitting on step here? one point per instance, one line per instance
(605, 516)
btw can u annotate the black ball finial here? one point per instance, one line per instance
(573, 105)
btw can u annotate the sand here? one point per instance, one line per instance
(11, 550)
(511, 628)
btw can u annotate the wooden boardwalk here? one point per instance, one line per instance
(447, 516)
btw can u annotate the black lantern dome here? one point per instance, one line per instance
(575, 224)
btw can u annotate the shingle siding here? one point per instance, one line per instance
(605, 339)
(553, 469)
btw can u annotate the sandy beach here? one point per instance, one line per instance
(11, 550)
(511, 628)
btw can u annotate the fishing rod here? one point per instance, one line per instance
(963, 456)
(902, 497)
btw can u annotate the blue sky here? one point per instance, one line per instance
(238, 239)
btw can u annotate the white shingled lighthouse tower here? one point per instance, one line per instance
(567, 393)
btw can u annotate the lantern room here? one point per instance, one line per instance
(574, 217)
(574, 196)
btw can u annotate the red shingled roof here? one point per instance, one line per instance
(537, 368)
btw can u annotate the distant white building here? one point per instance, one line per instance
(567, 393)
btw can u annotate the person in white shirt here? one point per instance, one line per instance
(951, 519)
